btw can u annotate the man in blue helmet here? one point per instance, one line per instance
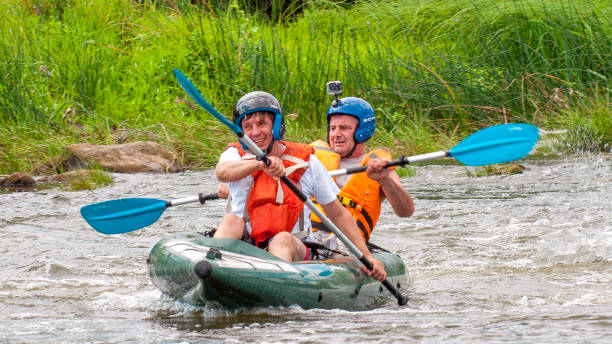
(351, 122)
(265, 211)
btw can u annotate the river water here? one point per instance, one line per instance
(522, 258)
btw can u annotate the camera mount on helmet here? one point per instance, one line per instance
(335, 89)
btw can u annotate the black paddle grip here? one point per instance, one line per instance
(203, 198)
(401, 161)
(401, 299)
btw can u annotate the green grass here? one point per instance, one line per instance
(408, 171)
(435, 71)
(589, 128)
(91, 181)
(495, 170)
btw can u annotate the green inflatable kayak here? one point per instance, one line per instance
(196, 269)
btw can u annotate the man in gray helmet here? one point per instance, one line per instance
(262, 209)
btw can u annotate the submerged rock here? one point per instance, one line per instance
(67, 177)
(18, 179)
(71, 180)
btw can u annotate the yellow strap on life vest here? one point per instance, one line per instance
(347, 202)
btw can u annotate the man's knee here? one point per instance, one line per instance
(287, 247)
(283, 239)
(231, 226)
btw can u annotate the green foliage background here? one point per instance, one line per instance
(101, 71)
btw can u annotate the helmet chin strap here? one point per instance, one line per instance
(351, 152)
(269, 149)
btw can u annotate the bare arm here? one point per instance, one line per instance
(230, 171)
(398, 197)
(343, 219)
(389, 180)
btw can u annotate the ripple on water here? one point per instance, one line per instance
(522, 258)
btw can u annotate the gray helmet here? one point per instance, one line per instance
(260, 101)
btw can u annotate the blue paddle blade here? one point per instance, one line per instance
(123, 215)
(193, 92)
(496, 144)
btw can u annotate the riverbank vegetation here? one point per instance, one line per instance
(101, 71)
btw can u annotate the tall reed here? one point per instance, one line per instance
(88, 69)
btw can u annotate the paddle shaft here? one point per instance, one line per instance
(401, 161)
(185, 200)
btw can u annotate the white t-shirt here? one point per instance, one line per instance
(315, 182)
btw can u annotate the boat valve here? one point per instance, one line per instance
(213, 253)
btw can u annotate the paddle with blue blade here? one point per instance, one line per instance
(491, 145)
(197, 97)
(130, 214)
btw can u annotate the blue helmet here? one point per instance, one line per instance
(359, 109)
(260, 101)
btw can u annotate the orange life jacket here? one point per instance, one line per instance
(271, 206)
(361, 195)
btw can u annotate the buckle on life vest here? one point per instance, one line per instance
(347, 202)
